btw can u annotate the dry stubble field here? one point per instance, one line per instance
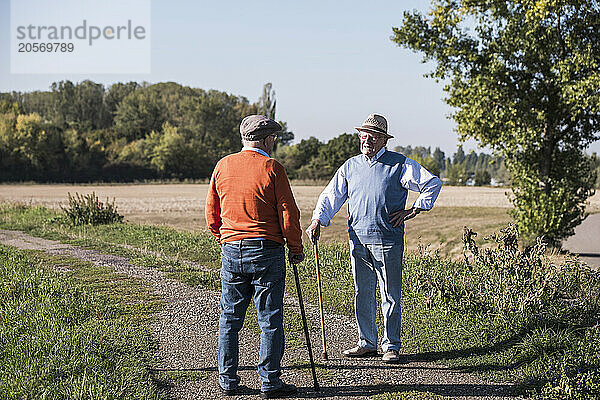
(483, 209)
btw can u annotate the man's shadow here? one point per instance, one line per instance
(329, 390)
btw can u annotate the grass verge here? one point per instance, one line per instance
(79, 334)
(51, 224)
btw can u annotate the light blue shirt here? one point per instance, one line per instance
(373, 159)
(376, 187)
(259, 151)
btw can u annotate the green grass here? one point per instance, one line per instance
(51, 224)
(80, 334)
(507, 315)
(410, 395)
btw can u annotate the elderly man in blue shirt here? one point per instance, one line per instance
(376, 185)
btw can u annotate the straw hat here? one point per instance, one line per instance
(375, 123)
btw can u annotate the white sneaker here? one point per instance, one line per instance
(359, 352)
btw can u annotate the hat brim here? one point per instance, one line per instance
(361, 129)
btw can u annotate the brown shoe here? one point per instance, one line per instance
(391, 357)
(359, 352)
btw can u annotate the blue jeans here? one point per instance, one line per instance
(372, 262)
(252, 269)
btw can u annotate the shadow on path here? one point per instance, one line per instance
(477, 390)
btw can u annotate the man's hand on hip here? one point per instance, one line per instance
(398, 217)
(296, 258)
(314, 231)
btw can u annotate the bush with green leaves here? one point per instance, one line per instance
(554, 208)
(89, 210)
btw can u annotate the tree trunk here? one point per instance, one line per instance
(547, 156)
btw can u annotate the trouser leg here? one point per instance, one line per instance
(365, 306)
(269, 287)
(388, 265)
(235, 297)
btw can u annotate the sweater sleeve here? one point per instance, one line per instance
(213, 208)
(287, 210)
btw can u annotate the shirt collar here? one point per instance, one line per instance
(259, 151)
(376, 156)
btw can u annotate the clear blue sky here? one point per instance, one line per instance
(331, 63)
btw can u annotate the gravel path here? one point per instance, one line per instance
(186, 333)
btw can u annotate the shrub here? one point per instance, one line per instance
(89, 210)
(545, 316)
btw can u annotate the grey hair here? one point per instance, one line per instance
(252, 143)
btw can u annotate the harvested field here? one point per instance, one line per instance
(138, 200)
(182, 205)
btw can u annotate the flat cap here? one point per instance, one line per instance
(257, 127)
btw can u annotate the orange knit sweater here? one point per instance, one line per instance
(250, 197)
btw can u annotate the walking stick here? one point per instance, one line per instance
(310, 354)
(325, 357)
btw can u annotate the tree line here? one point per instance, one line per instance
(311, 159)
(460, 169)
(128, 131)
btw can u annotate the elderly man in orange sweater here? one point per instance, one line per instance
(251, 211)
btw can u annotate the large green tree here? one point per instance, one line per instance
(114, 96)
(524, 78)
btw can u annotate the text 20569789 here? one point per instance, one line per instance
(49, 47)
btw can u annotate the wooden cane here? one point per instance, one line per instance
(324, 355)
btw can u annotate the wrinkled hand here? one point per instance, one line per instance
(398, 217)
(314, 231)
(296, 258)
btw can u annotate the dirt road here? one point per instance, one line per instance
(586, 241)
